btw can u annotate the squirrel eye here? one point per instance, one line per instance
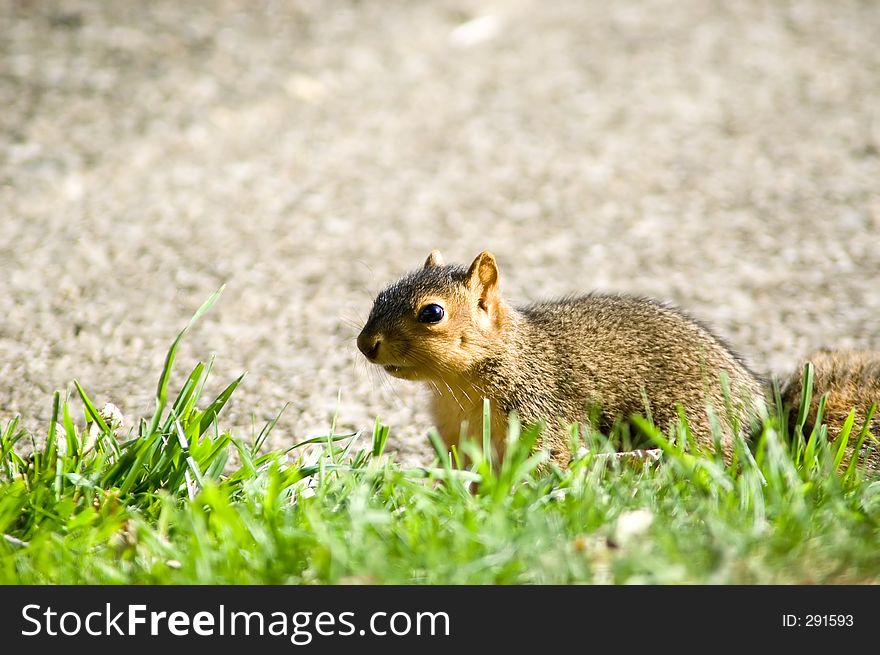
(431, 314)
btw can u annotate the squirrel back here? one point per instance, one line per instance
(559, 362)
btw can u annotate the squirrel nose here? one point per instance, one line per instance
(369, 344)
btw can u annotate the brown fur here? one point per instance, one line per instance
(851, 378)
(552, 361)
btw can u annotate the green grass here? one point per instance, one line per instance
(163, 505)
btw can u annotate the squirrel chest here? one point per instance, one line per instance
(457, 410)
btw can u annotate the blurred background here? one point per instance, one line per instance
(724, 156)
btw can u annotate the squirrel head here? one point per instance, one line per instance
(438, 321)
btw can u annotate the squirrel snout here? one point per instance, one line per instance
(369, 344)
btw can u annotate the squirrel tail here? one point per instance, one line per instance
(851, 380)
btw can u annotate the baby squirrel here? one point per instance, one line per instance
(562, 361)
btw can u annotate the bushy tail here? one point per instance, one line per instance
(851, 380)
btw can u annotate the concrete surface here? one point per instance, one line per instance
(725, 156)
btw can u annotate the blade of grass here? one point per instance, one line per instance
(146, 449)
(806, 398)
(843, 438)
(71, 438)
(193, 465)
(852, 469)
(439, 448)
(487, 433)
(187, 397)
(91, 411)
(50, 439)
(264, 433)
(380, 436)
(162, 388)
(810, 451)
(210, 414)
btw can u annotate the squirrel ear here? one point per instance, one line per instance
(483, 276)
(434, 260)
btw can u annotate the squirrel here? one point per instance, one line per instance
(562, 361)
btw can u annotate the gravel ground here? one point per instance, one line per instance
(725, 156)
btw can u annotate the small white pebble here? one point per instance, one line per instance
(476, 31)
(112, 415)
(306, 88)
(632, 524)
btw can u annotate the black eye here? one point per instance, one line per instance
(431, 314)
